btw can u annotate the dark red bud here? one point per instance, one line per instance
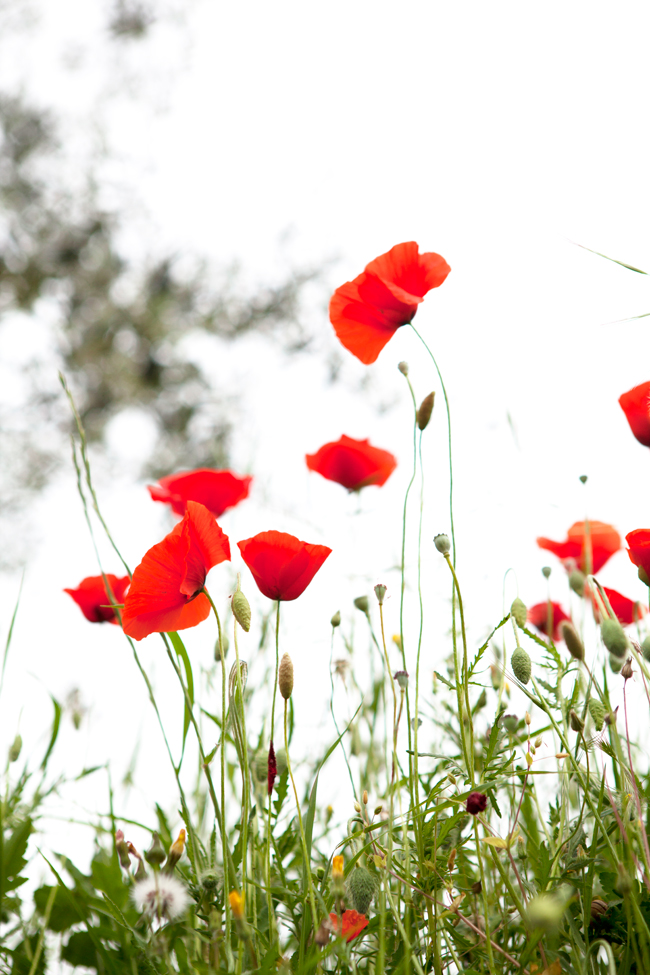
(272, 768)
(476, 803)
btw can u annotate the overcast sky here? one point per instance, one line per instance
(295, 133)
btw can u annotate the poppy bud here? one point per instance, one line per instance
(519, 612)
(521, 665)
(155, 855)
(225, 643)
(361, 888)
(404, 369)
(15, 749)
(443, 544)
(380, 592)
(645, 648)
(452, 860)
(362, 604)
(597, 710)
(612, 716)
(528, 719)
(364, 798)
(241, 610)
(337, 868)
(477, 887)
(175, 852)
(378, 810)
(546, 571)
(209, 881)
(615, 664)
(577, 582)
(140, 871)
(476, 803)
(573, 642)
(285, 677)
(626, 669)
(598, 908)
(576, 723)
(402, 679)
(122, 848)
(510, 722)
(425, 410)
(336, 619)
(613, 636)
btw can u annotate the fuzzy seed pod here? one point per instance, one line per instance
(573, 642)
(443, 544)
(285, 677)
(519, 612)
(615, 664)
(402, 679)
(597, 710)
(577, 582)
(521, 665)
(614, 638)
(336, 619)
(155, 855)
(361, 888)
(362, 604)
(241, 610)
(425, 410)
(645, 648)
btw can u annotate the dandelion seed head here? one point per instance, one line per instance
(161, 896)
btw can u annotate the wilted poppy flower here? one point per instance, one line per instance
(639, 552)
(538, 616)
(94, 600)
(626, 610)
(636, 406)
(281, 564)
(352, 463)
(217, 490)
(352, 924)
(367, 311)
(603, 539)
(476, 803)
(167, 588)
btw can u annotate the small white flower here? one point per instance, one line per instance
(161, 897)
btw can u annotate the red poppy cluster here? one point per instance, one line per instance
(367, 311)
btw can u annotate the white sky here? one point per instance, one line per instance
(491, 133)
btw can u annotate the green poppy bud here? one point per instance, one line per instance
(597, 710)
(361, 888)
(336, 619)
(425, 410)
(380, 592)
(546, 571)
(15, 749)
(241, 610)
(615, 664)
(443, 544)
(510, 723)
(519, 612)
(614, 638)
(521, 665)
(362, 604)
(573, 642)
(577, 582)
(645, 648)
(155, 855)
(285, 677)
(404, 369)
(577, 724)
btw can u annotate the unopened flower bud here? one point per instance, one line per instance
(645, 648)
(402, 679)
(361, 888)
(285, 677)
(546, 571)
(452, 860)
(155, 855)
(538, 742)
(380, 592)
(362, 604)
(357, 807)
(15, 749)
(614, 638)
(122, 848)
(521, 665)
(510, 722)
(364, 797)
(597, 711)
(403, 368)
(519, 612)
(615, 664)
(611, 718)
(577, 582)
(451, 777)
(577, 724)
(626, 669)
(476, 803)
(442, 543)
(424, 411)
(209, 881)
(545, 911)
(175, 852)
(528, 719)
(225, 643)
(140, 871)
(378, 810)
(337, 868)
(573, 642)
(336, 619)
(477, 887)
(241, 610)
(236, 905)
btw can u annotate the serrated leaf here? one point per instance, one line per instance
(444, 680)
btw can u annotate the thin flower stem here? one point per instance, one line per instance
(486, 912)
(416, 724)
(246, 784)
(338, 732)
(303, 838)
(269, 896)
(467, 750)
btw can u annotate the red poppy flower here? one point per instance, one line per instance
(639, 552)
(281, 564)
(538, 616)
(166, 590)
(94, 600)
(636, 406)
(217, 490)
(352, 463)
(367, 312)
(604, 541)
(352, 924)
(626, 610)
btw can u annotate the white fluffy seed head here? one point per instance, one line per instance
(161, 896)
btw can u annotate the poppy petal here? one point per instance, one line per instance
(94, 600)
(407, 272)
(636, 406)
(217, 490)
(281, 564)
(352, 463)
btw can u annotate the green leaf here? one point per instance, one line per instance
(444, 680)
(12, 856)
(106, 875)
(68, 908)
(482, 649)
(80, 950)
(56, 723)
(179, 647)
